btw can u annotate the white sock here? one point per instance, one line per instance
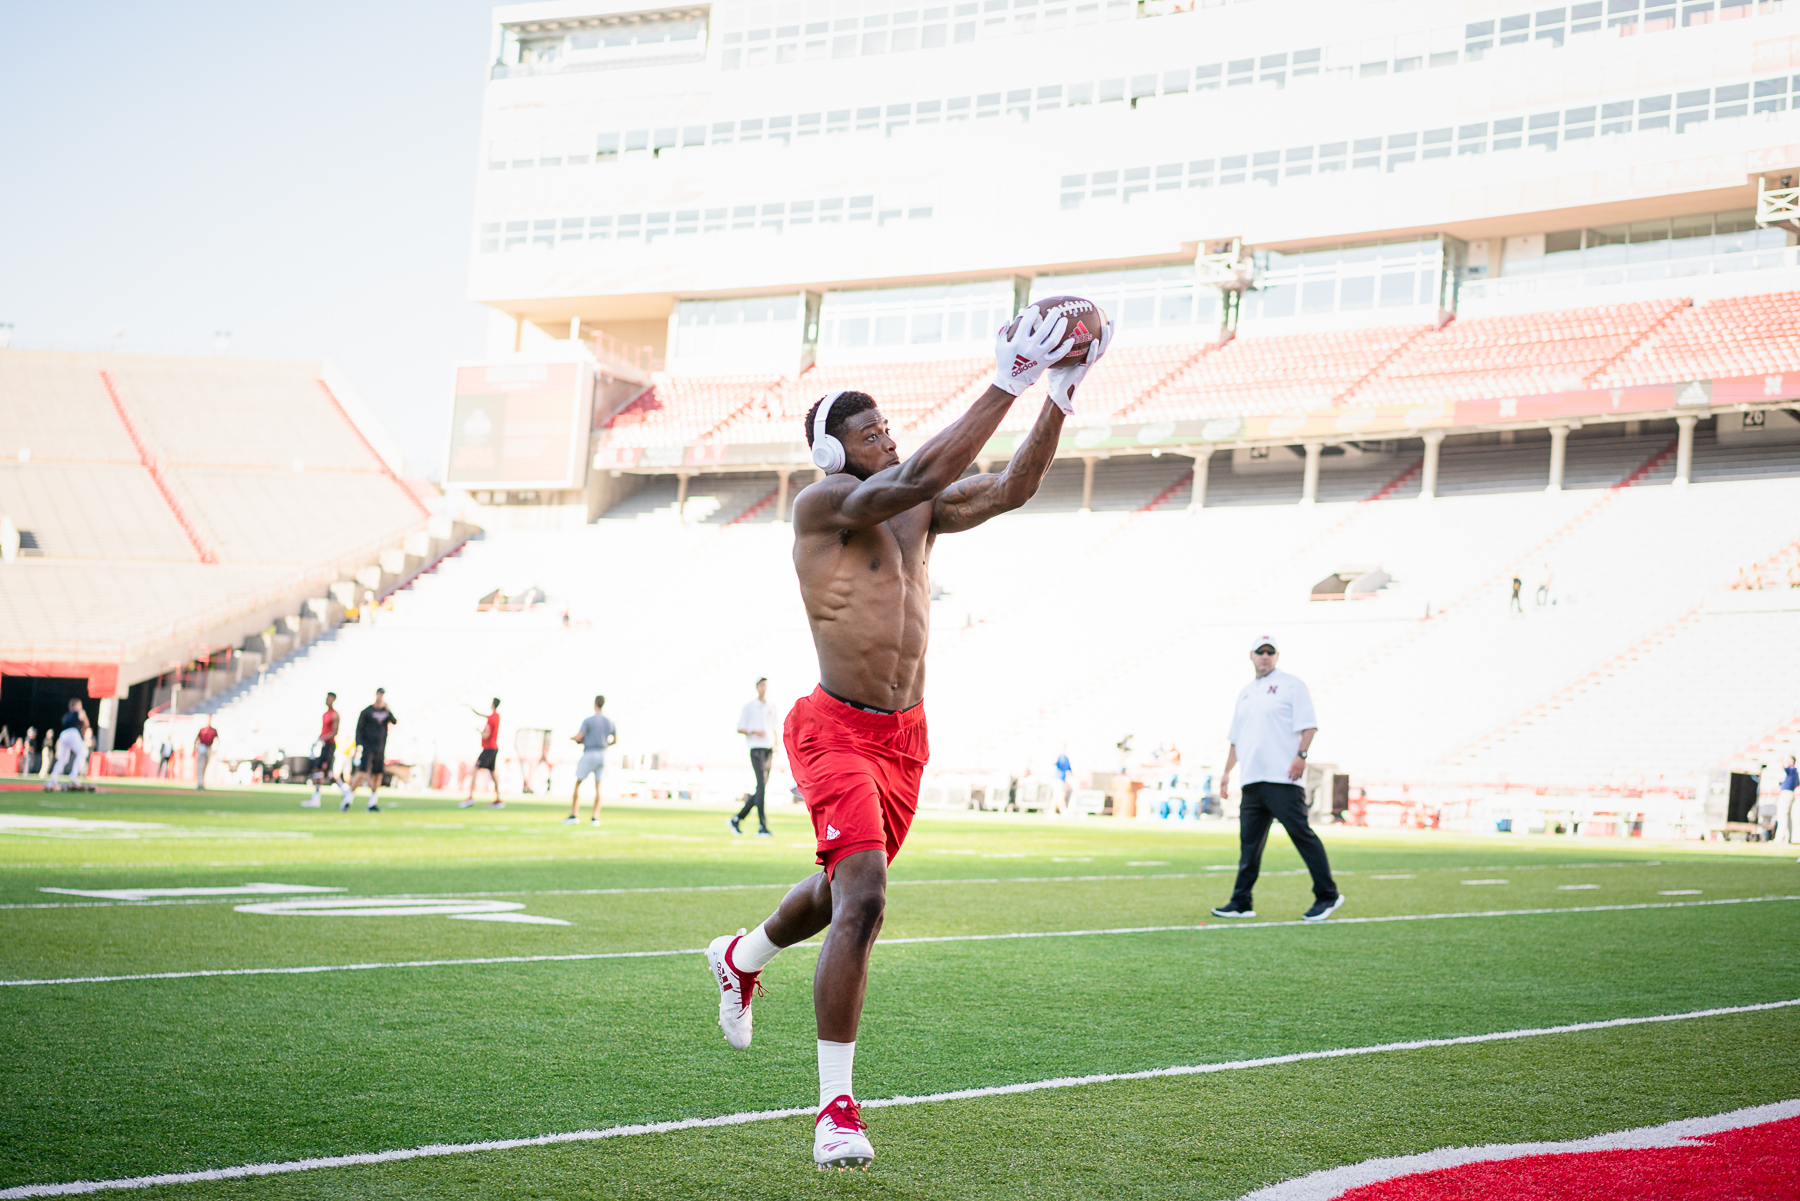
(315, 795)
(836, 1060)
(753, 951)
(374, 798)
(349, 792)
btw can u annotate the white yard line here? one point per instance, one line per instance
(435, 1150)
(782, 886)
(1204, 874)
(893, 942)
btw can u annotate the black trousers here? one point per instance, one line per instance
(759, 763)
(1261, 805)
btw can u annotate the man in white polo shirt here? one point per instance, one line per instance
(1271, 731)
(757, 724)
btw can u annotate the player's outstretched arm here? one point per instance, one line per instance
(843, 502)
(969, 502)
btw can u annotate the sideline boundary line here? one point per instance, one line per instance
(1203, 874)
(435, 1150)
(886, 942)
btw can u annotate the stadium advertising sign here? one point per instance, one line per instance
(519, 425)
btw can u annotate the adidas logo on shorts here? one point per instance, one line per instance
(831, 831)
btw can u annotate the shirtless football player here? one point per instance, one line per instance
(857, 746)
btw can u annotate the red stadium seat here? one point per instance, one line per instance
(1521, 355)
(1251, 375)
(1743, 335)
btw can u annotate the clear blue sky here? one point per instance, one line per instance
(299, 174)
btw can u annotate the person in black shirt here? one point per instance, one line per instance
(371, 750)
(71, 749)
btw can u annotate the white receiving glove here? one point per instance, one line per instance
(1064, 379)
(1033, 346)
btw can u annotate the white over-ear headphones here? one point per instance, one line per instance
(828, 452)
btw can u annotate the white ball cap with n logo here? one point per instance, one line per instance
(1263, 640)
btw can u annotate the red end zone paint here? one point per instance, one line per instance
(1757, 1163)
(1746, 1155)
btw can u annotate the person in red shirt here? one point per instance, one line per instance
(324, 754)
(489, 759)
(203, 745)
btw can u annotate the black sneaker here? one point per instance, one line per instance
(765, 833)
(374, 808)
(734, 826)
(1230, 909)
(1321, 909)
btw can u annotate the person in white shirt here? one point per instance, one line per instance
(1271, 730)
(757, 724)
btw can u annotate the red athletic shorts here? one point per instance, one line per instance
(858, 772)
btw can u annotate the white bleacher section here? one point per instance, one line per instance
(288, 517)
(92, 511)
(1060, 628)
(228, 413)
(280, 487)
(58, 410)
(56, 607)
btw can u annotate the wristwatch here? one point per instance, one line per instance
(1300, 754)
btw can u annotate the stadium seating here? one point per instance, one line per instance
(1016, 670)
(1523, 355)
(1252, 376)
(60, 412)
(909, 394)
(1744, 335)
(92, 511)
(86, 610)
(1434, 679)
(1662, 708)
(227, 413)
(1529, 354)
(172, 497)
(683, 409)
(293, 517)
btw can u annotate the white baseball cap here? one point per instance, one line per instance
(1263, 640)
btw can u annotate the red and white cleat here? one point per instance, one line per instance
(840, 1140)
(736, 989)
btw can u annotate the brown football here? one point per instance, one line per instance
(1086, 320)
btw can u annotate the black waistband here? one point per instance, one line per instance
(857, 704)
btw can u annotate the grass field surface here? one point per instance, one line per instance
(1111, 964)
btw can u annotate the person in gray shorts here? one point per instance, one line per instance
(596, 734)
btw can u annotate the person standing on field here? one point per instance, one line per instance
(597, 732)
(370, 764)
(203, 745)
(489, 759)
(757, 724)
(324, 754)
(71, 749)
(1271, 730)
(1784, 805)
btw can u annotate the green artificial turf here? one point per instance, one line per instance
(133, 1077)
